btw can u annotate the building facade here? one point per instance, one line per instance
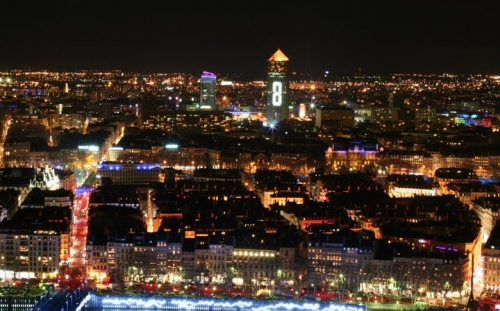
(129, 173)
(30, 253)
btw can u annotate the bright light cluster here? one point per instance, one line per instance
(189, 304)
(253, 254)
(185, 304)
(83, 302)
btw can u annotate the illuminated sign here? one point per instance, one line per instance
(207, 74)
(171, 146)
(277, 97)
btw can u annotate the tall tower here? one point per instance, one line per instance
(207, 91)
(471, 303)
(277, 88)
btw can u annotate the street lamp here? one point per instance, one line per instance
(279, 278)
(312, 107)
(271, 127)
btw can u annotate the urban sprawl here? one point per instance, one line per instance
(383, 186)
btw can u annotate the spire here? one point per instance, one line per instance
(471, 303)
(278, 56)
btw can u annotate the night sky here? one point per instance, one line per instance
(378, 36)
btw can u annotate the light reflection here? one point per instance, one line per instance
(257, 306)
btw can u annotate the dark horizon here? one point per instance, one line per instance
(381, 37)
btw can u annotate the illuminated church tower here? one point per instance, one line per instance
(277, 88)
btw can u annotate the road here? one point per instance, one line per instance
(79, 233)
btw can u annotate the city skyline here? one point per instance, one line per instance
(383, 188)
(376, 37)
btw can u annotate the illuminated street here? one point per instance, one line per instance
(79, 229)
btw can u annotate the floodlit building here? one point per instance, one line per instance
(129, 173)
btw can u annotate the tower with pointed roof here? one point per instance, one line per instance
(277, 88)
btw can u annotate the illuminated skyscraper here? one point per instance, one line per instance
(277, 88)
(207, 91)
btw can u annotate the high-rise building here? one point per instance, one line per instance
(207, 91)
(277, 88)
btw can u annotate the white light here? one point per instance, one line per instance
(277, 97)
(254, 305)
(89, 148)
